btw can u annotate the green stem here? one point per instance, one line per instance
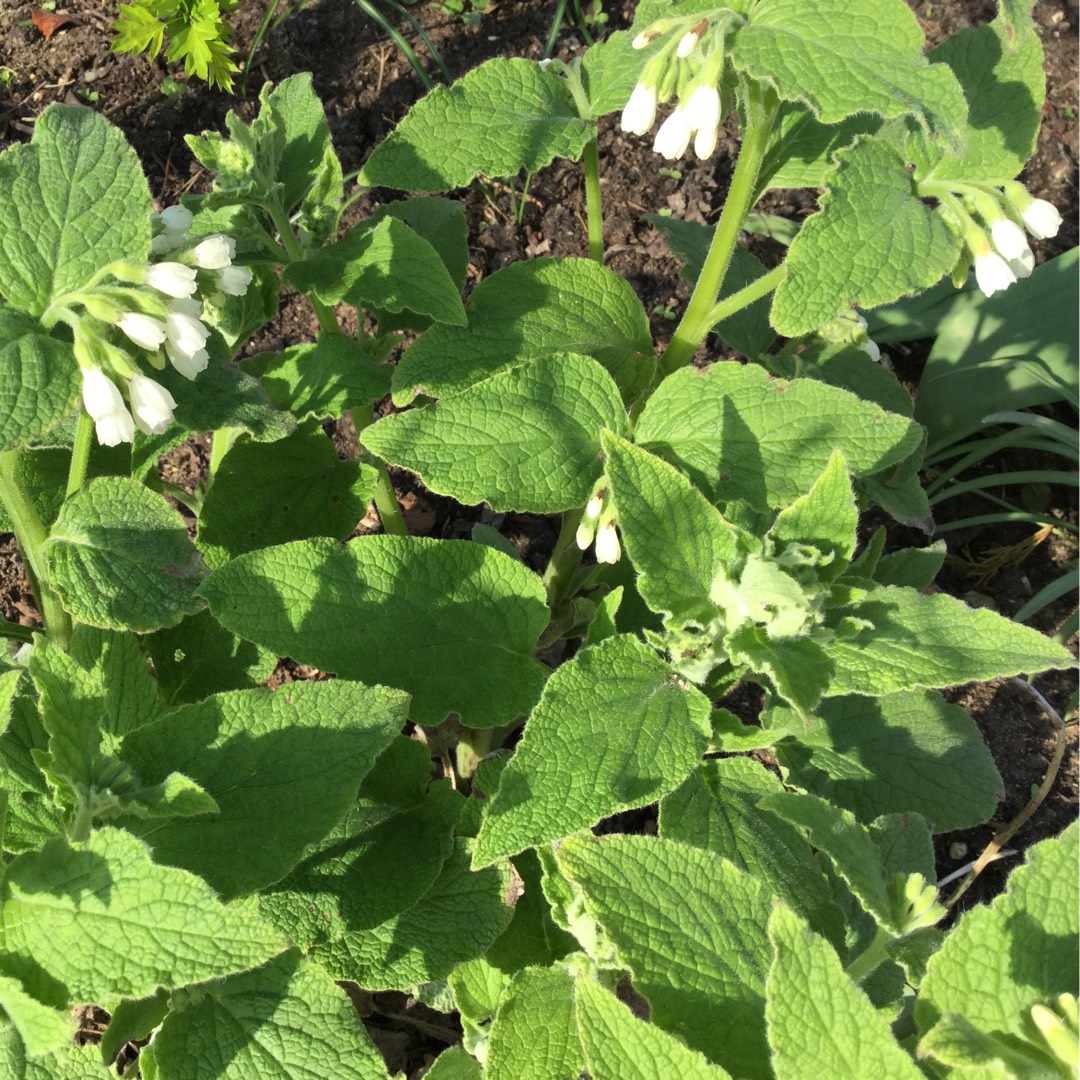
(565, 559)
(80, 453)
(386, 502)
(221, 442)
(16, 632)
(591, 160)
(761, 108)
(868, 961)
(734, 303)
(472, 747)
(31, 535)
(325, 314)
(79, 830)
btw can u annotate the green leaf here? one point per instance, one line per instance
(872, 242)
(133, 1020)
(700, 963)
(956, 1042)
(1001, 72)
(456, 920)
(478, 987)
(441, 222)
(41, 1028)
(614, 729)
(798, 667)
(284, 1021)
(529, 310)
(106, 922)
(199, 657)
(387, 267)
(747, 331)
(318, 380)
(619, 1046)
(72, 201)
(283, 767)
(675, 538)
(850, 368)
(454, 1064)
(526, 439)
(69, 1063)
(1018, 951)
(716, 808)
(853, 56)
(119, 557)
(902, 752)
(364, 611)
(914, 568)
(609, 71)
(39, 380)
(741, 434)
(356, 881)
(926, 641)
(801, 148)
(33, 815)
(504, 116)
(534, 1036)
(820, 1022)
(1010, 351)
(270, 493)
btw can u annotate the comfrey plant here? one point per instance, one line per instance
(206, 859)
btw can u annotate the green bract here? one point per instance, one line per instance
(444, 792)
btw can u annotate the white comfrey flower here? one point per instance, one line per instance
(184, 332)
(215, 252)
(871, 348)
(1008, 238)
(640, 112)
(144, 330)
(234, 280)
(703, 114)
(105, 406)
(586, 533)
(992, 273)
(151, 403)
(607, 543)
(172, 278)
(176, 221)
(188, 364)
(687, 44)
(187, 305)
(674, 136)
(1041, 219)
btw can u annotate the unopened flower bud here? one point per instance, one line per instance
(172, 278)
(687, 44)
(215, 252)
(144, 330)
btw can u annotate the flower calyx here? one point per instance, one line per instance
(598, 524)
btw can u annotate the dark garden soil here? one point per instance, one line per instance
(366, 86)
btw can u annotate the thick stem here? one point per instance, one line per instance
(591, 161)
(31, 535)
(745, 297)
(471, 750)
(325, 315)
(79, 830)
(565, 559)
(385, 499)
(761, 107)
(80, 453)
(868, 961)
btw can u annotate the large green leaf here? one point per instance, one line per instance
(283, 768)
(119, 557)
(504, 116)
(41, 1027)
(526, 439)
(72, 201)
(364, 610)
(902, 752)
(284, 1021)
(873, 242)
(105, 922)
(39, 381)
(820, 1022)
(529, 310)
(700, 963)
(742, 434)
(613, 729)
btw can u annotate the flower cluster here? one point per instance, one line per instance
(598, 523)
(993, 226)
(157, 309)
(690, 66)
(851, 329)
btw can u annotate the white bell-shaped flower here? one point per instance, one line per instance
(185, 332)
(105, 406)
(1041, 219)
(674, 136)
(144, 330)
(1023, 264)
(640, 112)
(176, 219)
(234, 280)
(992, 273)
(151, 403)
(188, 364)
(215, 252)
(173, 279)
(1008, 238)
(607, 543)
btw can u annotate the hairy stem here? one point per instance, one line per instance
(868, 961)
(565, 559)
(385, 500)
(593, 211)
(80, 453)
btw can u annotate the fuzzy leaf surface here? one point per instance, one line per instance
(363, 610)
(41, 1027)
(72, 200)
(614, 729)
(908, 751)
(701, 964)
(820, 1022)
(284, 1021)
(283, 768)
(526, 439)
(873, 242)
(106, 922)
(504, 116)
(742, 434)
(526, 311)
(39, 381)
(119, 557)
